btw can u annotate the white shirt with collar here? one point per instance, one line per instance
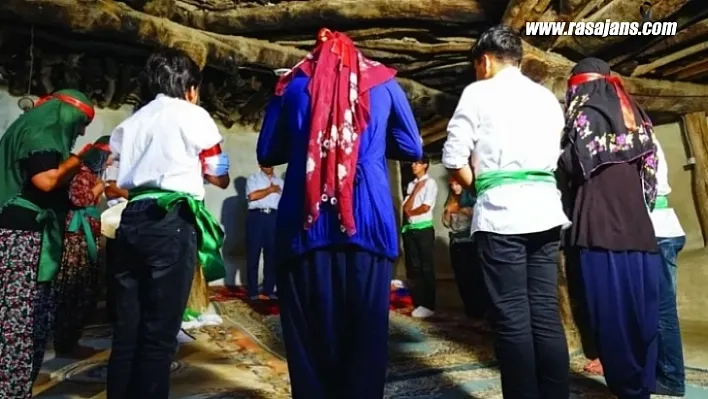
(509, 122)
(666, 224)
(159, 146)
(259, 181)
(425, 196)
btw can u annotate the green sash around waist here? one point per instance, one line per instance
(52, 238)
(417, 226)
(80, 222)
(497, 178)
(209, 234)
(662, 202)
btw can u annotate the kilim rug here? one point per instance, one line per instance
(443, 358)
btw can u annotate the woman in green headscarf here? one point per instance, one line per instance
(35, 166)
(78, 282)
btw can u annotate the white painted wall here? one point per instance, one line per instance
(229, 206)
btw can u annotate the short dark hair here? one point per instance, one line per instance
(500, 42)
(171, 72)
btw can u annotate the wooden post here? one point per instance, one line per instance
(696, 129)
(394, 181)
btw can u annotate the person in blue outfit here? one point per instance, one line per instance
(334, 120)
(670, 237)
(263, 190)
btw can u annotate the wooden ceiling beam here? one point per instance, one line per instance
(518, 12)
(668, 59)
(313, 14)
(662, 44)
(617, 10)
(109, 20)
(696, 71)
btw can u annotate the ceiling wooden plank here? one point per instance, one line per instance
(696, 71)
(662, 44)
(616, 11)
(666, 60)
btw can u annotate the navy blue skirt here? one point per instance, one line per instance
(334, 312)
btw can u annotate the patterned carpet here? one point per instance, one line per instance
(244, 358)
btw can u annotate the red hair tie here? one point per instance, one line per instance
(627, 113)
(83, 107)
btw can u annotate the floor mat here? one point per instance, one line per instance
(444, 357)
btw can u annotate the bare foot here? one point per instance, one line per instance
(594, 367)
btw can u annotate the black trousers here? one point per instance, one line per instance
(112, 257)
(419, 247)
(157, 254)
(469, 278)
(521, 274)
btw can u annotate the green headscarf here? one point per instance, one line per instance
(53, 125)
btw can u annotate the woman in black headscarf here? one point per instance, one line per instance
(607, 174)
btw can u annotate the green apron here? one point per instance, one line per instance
(52, 239)
(209, 234)
(497, 178)
(80, 222)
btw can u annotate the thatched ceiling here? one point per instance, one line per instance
(100, 45)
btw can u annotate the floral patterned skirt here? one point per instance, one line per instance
(76, 289)
(25, 313)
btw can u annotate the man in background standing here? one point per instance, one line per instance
(263, 189)
(419, 238)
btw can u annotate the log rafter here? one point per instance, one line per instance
(433, 64)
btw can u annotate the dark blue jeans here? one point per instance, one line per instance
(260, 235)
(521, 275)
(157, 254)
(670, 373)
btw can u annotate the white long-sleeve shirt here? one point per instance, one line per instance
(507, 123)
(159, 146)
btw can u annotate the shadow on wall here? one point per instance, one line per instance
(233, 218)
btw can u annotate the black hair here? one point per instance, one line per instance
(425, 160)
(171, 72)
(500, 42)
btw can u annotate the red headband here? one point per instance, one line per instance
(627, 112)
(83, 107)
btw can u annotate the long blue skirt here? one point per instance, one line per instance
(334, 312)
(622, 291)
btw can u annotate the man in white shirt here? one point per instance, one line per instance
(166, 150)
(511, 127)
(263, 189)
(670, 370)
(419, 238)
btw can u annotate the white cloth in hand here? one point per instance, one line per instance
(217, 165)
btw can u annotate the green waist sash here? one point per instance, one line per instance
(417, 226)
(497, 178)
(52, 239)
(662, 202)
(80, 222)
(209, 234)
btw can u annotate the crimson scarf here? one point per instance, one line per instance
(340, 80)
